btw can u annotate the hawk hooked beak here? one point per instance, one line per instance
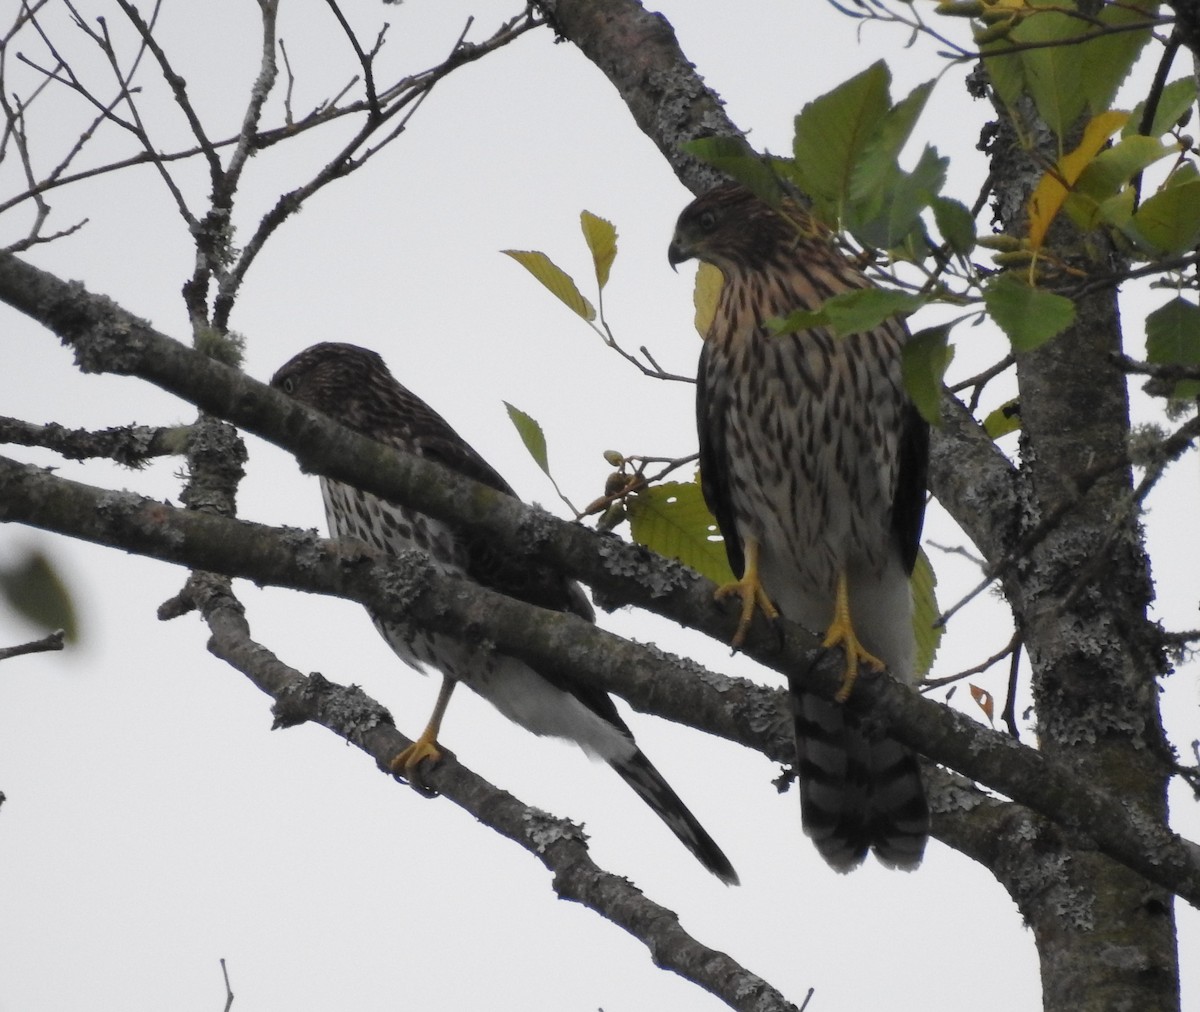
(677, 253)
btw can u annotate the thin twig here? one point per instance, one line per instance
(228, 989)
(1009, 716)
(355, 152)
(54, 641)
(929, 684)
(176, 83)
(1170, 449)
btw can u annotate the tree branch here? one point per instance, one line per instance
(558, 843)
(52, 642)
(131, 445)
(408, 588)
(638, 52)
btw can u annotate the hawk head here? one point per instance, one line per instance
(340, 380)
(730, 228)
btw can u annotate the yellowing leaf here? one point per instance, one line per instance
(1002, 421)
(925, 613)
(601, 238)
(709, 281)
(985, 701)
(555, 279)
(673, 520)
(1054, 186)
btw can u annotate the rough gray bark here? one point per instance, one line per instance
(1081, 597)
(1085, 854)
(1079, 594)
(98, 331)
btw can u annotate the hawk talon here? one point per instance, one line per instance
(406, 761)
(841, 634)
(751, 591)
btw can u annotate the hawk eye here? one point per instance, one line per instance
(289, 385)
(708, 221)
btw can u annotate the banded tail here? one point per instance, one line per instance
(858, 791)
(639, 773)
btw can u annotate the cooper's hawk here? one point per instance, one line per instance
(354, 387)
(813, 460)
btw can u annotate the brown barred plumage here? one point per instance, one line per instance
(813, 459)
(354, 387)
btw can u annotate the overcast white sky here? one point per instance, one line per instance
(155, 825)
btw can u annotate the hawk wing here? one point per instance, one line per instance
(716, 481)
(908, 504)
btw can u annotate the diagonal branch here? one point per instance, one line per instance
(558, 843)
(408, 588)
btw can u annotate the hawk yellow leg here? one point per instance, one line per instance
(751, 592)
(841, 633)
(425, 747)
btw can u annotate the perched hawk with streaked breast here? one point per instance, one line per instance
(813, 461)
(353, 386)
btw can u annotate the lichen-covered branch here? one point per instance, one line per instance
(558, 843)
(408, 588)
(131, 445)
(637, 51)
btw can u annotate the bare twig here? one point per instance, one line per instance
(1009, 716)
(403, 97)
(228, 989)
(929, 684)
(176, 83)
(131, 445)
(1168, 450)
(54, 641)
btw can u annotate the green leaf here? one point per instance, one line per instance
(1173, 338)
(739, 161)
(1101, 194)
(1053, 74)
(880, 157)
(1169, 221)
(925, 614)
(531, 435)
(926, 356)
(797, 320)
(1028, 316)
(33, 588)
(1115, 167)
(955, 223)
(850, 312)
(601, 237)
(1075, 77)
(1006, 72)
(1005, 419)
(1174, 103)
(865, 308)
(555, 279)
(1108, 58)
(902, 203)
(673, 520)
(833, 131)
